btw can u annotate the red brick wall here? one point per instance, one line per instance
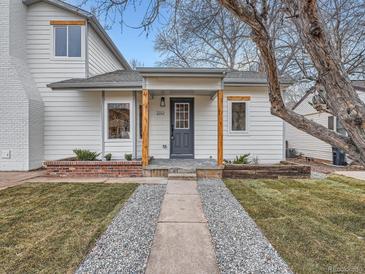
(94, 168)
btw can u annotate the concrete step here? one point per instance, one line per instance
(182, 176)
(182, 170)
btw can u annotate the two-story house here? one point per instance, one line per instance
(65, 85)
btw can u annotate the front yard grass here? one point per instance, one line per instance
(49, 228)
(317, 226)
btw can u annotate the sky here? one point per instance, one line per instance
(133, 43)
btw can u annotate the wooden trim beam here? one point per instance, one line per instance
(220, 127)
(145, 127)
(238, 98)
(65, 22)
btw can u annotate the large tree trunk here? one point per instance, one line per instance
(343, 100)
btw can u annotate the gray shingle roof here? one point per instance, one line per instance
(133, 79)
(115, 79)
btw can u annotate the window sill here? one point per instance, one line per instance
(68, 59)
(117, 140)
(238, 133)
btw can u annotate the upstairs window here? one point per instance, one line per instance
(67, 41)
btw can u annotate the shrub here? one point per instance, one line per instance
(242, 159)
(85, 155)
(128, 156)
(108, 156)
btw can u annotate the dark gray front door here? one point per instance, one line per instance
(182, 128)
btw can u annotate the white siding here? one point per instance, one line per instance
(101, 59)
(182, 83)
(304, 107)
(304, 143)
(72, 119)
(263, 140)
(308, 145)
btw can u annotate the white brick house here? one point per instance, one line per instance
(65, 85)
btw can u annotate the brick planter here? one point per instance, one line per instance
(94, 168)
(266, 171)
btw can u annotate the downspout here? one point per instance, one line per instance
(135, 134)
(103, 123)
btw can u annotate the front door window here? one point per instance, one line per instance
(182, 115)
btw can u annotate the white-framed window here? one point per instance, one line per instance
(237, 117)
(68, 41)
(335, 124)
(182, 115)
(118, 120)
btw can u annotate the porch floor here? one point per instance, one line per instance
(191, 164)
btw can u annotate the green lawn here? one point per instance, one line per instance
(316, 225)
(49, 228)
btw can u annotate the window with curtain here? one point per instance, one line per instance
(118, 121)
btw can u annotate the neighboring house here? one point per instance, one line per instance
(311, 146)
(65, 85)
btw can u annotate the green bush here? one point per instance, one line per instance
(242, 159)
(128, 156)
(108, 156)
(85, 155)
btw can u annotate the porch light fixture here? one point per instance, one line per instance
(162, 102)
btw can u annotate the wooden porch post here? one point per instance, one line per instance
(220, 127)
(145, 127)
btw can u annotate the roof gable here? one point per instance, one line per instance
(93, 21)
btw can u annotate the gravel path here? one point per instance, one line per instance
(240, 245)
(126, 244)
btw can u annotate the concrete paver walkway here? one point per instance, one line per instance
(182, 242)
(354, 174)
(10, 178)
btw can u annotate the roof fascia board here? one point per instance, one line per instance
(183, 75)
(95, 85)
(168, 72)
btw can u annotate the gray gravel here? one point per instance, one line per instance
(240, 245)
(126, 244)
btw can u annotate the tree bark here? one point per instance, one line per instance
(349, 107)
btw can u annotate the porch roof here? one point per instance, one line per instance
(133, 79)
(116, 79)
